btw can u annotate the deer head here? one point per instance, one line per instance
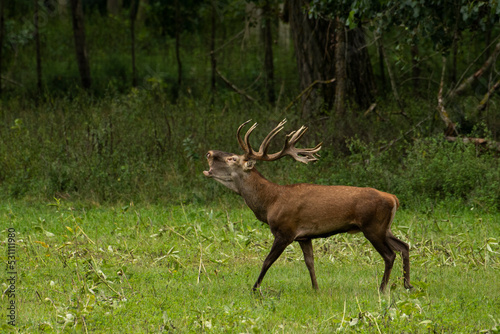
(229, 168)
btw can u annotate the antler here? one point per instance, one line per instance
(304, 155)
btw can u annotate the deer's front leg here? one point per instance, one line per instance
(277, 249)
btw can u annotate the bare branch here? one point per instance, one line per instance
(467, 82)
(482, 105)
(308, 90)
(233, 87)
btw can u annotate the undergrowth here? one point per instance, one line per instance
(140, 147)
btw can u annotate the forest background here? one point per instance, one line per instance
(119, 100)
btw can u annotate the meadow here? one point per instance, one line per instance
(107, 224)
(88, 268)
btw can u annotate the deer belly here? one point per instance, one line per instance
(322, 230)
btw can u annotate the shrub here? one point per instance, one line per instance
(141, 147)
(437, 170)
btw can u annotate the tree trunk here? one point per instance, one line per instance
(133, 15)
(80, 46)
(391, 78)
(415, 66)
(177, 44)
(2, 34)
(213, 61)
(381, 63)
(316, 41)
(114, 6)
(451, 128)
(314, 46)
(360, 78)
(455, 56)
(454, 46)
(38, 51)
(268, 58)
(340, 67)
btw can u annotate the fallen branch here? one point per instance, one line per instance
(392, 142)
(233, 87)
(308, 90)
(373, 108)
(476, 141)
(370, 109)
(12, 81)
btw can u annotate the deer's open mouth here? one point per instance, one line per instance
(209, 173)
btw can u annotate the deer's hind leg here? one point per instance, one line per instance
(388, 255)
(379, 239)
(402, 247)
(307, 249)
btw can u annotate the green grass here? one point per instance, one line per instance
(128, 268)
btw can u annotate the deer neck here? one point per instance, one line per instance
(259, 193)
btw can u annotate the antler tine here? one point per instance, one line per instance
(296, 135)
(307, 154)
(304, 155)
(265, 143)
(313, 150)
(249, 151)
(240, 140)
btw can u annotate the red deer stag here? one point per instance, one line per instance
(302, 212)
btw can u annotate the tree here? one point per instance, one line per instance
(113, 6)
(173, 18)
(267, 11)
(340, 66)
(213, 60)
(2, 35)
(417, 22)
(313, 52)
(177, 34)
(80, 46)
(37, 46)
(444, 24)
(325, 49)
(133, 16)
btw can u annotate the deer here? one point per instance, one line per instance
(302, 212)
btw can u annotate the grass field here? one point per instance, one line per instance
(130, 269)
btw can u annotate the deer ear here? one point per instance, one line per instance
(248, 164)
